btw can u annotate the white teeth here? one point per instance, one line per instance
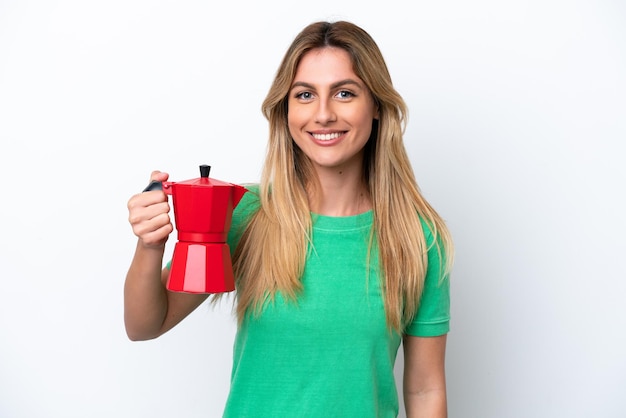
(327, 137)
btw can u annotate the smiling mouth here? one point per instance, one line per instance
(327, 137)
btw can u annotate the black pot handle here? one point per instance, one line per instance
(154, 185)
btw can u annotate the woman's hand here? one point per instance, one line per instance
(148, 214)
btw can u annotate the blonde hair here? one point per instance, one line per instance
(273, 249)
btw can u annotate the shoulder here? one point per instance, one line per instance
(430, 232)
(244, 211)
(250, 202)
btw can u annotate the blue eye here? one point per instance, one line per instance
(345, 94)
(305, 95)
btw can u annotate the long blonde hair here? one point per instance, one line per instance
(272, 251)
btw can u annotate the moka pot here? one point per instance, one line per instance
(203, 209)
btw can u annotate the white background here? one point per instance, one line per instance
(517, 118)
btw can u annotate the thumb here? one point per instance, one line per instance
(159, 176)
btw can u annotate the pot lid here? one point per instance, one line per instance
(204, 179)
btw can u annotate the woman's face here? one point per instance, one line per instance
(330, 110)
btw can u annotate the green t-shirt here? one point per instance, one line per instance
(331, 353)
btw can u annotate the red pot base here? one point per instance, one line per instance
(201, 268)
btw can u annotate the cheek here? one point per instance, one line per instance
(292, 124)
(295, 119)
(363, 120)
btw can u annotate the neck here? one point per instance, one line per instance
(340, 194)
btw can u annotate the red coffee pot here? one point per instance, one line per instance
(203, 209)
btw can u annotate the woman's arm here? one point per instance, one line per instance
(424, 377)
(149, 308)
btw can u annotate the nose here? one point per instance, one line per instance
(325, 112)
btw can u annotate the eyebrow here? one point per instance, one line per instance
(347, 81)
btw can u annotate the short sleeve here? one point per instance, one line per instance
(242, 213)
(433, 315)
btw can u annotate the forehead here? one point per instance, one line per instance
(324, 66)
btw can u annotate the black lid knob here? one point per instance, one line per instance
(204, 170)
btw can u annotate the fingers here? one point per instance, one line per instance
(140, 211)
(148, 214)
(154, 232)
(159, 176)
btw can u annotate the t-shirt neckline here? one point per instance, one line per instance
(360, 220)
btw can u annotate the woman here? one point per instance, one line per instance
(337, 256)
